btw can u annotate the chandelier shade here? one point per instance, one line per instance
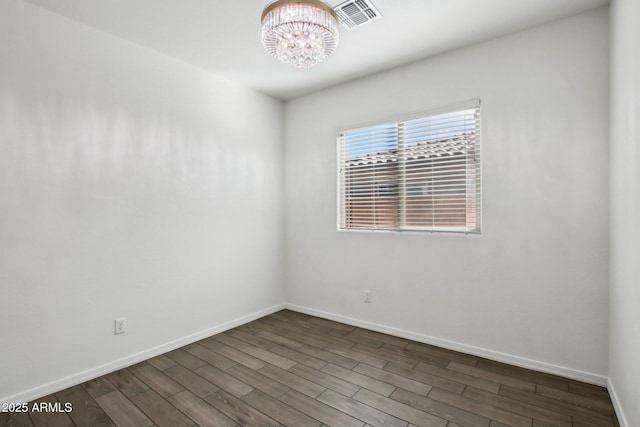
(300, 33)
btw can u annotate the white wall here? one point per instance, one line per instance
(131, 185)
(625, 209)
(533, 289)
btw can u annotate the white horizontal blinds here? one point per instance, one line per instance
(421, 174)
(442, 171)
(368, 178)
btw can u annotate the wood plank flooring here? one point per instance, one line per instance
(290, 369)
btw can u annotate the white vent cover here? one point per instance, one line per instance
(355, 13)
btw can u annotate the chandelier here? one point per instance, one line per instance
(300, 33)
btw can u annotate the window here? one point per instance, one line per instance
(416, 175)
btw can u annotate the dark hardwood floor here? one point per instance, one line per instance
(296, 370)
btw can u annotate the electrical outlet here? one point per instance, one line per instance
(121, 326)
(367, 296)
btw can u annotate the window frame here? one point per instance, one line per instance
(403, 187)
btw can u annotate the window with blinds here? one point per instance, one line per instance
(416, 175)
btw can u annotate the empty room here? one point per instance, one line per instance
(361, 213)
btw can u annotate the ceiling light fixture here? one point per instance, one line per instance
(300, 33)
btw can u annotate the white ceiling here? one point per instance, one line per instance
(222, 36)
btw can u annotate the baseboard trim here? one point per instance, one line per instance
(81, 377)
(87, 375)
(622, 420)
(522, 362)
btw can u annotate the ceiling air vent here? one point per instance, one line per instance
(355, 13)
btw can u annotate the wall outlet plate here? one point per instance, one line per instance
(120, 326)
(367, 296)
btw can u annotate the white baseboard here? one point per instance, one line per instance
(522, 362)
(81, 377)
(622, 420)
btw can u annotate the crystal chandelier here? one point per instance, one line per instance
(300, 33)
